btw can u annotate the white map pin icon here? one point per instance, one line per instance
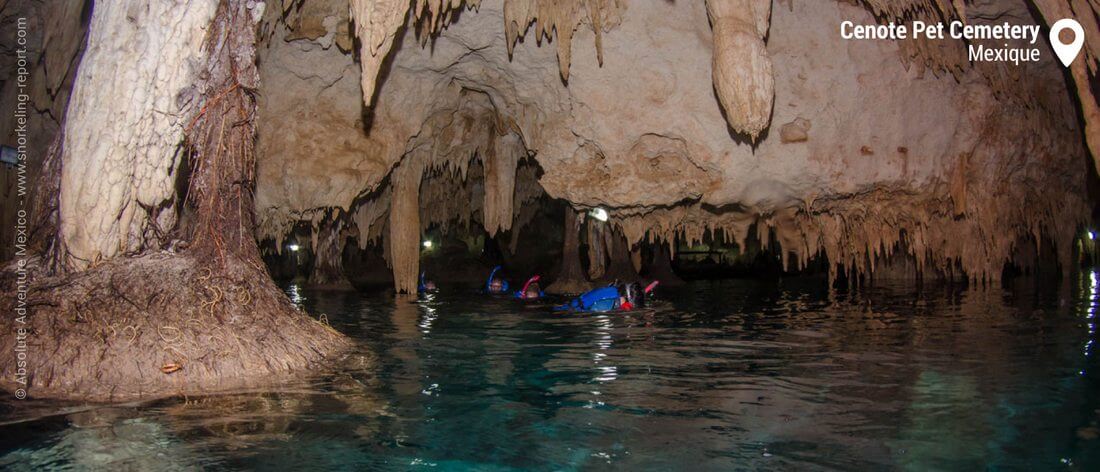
(1067, 52)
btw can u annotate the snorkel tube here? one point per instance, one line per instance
(422, 286)
(489, 282)
(522, 294)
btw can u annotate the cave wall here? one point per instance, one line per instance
(865, 145)
(54, 44)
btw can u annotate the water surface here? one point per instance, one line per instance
(715, 376)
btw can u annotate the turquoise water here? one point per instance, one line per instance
(715, 376)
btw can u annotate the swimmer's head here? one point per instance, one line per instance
(429, 286)
(533, 291)
(631, 296)
(496, 285)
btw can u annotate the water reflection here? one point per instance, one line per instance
(712, 377)
(1090, 313)
(605, 371)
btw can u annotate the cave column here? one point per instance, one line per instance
(740, 66)
(620, 267)
(570, 278)
(404, 237)
(660, 266)
(125, 123)
(597, 249)
(1052, 11)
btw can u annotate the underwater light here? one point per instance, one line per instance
(599, 214)
(427, 244)
(293, 247)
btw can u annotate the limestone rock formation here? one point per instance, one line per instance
(741, 67)
(644, 127)
(194, 317)
(118, 168)
(680, 119)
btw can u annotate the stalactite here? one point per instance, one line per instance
(500, 182)
(376, 24)
(404, 222)
(465, 162)
(328, 252)
(741, 68)
(525, 201)
(561, 17)
(369, 217)
(448, 199)
(570, 277)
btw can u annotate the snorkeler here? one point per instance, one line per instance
(612, 297)
(426, 286)
(530, 290)
(494, 284)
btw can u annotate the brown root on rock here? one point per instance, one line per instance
(107, 333)
(221, 137)
(161, 323)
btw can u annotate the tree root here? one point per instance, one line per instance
(118, 332)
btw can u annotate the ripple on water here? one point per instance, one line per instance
(714, 376)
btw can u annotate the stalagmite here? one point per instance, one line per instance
(404, 237)
(741, 68)
(126, 121)
(570, 277)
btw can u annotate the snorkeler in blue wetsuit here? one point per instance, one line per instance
(531, 290)
(613, 297)
(494, 284)
(425, 286)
